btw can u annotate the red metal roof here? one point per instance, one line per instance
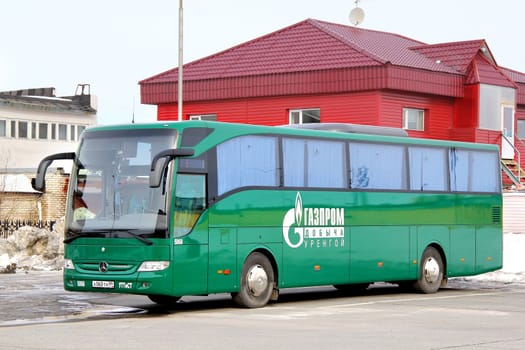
(457, 55)
(314, 56)
(306, 46)
(488, 73)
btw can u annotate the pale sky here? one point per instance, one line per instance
(113, 44)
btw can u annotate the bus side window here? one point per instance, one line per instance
(190, 201)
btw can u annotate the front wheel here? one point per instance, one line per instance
(431, 275)
(257, 282)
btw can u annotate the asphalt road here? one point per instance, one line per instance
(37, 314)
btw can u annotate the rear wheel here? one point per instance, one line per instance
(431, 274)
(257, 282)
(163, 299)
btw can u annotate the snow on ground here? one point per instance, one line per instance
(40, 250)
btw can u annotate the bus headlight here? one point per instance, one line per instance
(68, 264)
(154, 266)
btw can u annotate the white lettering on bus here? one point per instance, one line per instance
(314, 227)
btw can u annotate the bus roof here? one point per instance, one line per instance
(347, 132)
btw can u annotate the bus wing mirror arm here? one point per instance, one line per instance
(160, 162)
(39, 182)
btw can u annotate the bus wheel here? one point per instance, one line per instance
(257, 281)
(431, 274)
(163, 299)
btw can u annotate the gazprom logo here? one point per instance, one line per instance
(313, 227)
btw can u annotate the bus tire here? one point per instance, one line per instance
(163, 299)
(257, 282)
(431, 271)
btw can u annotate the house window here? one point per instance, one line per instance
(3, 128)
(13, 129)
(413, 119)
(72, 134)
(62, 132)
(53, 131)
(22, 130)
(210, 117)
(491, 100)
(521, 129)
(42, 131)
(304, 116)
(33, 130)
(81, 129)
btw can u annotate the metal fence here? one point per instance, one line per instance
(9, 226)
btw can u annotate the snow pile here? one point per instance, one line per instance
(31, 248)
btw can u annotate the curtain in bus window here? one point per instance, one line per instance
(473, 171)
(459, 167)
(325, 164)
(294, 151)
(376, 166)
(428, 169)
(485, 176)
(247, 161)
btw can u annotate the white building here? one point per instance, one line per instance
(35, 123)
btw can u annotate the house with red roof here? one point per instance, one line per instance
(315, 71)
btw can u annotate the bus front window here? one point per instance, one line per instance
(111, 196)
(190, 201)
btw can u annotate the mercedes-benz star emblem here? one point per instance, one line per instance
(103, 266)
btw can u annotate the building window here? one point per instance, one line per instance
(491, 100)
(53, 131)
(413, 119)
(33, 130)
(3, 128)
(23, 130)
(72, 135)
(62, 132)
(80, 129)
(13, 129)
(210, 117)
(304, 116)
(521, 129)
(42, 131)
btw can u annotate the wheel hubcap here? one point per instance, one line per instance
(257, 280)
(431, 270)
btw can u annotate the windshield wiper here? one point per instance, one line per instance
(80, 235)
(102, 233)
(134, 235)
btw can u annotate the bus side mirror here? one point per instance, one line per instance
(39, 182)
(161, 160)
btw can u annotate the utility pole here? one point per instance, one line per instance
(179, 82)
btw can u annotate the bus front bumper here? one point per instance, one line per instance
(151, 282)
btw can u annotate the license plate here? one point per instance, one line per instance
(103, 284)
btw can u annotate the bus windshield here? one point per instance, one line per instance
(110, 186)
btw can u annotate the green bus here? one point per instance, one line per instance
(194, 208)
